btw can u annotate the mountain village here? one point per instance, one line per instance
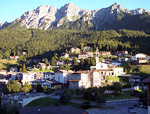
(93, 77)
(105, 72)
(70, 60)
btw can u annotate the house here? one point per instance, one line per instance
(90, 54)
(103, 65)
(141, 58)
(12, 75)
(74, 50)
(14, 69)
(134, 79)
(51, 83)
(117, 70)
(3, 82)
(104, 72)
(135, 82)
(105, 53)
(24, 53)
(41, 65)
(121, 53)
(14, 57)
(82, 56)
(28, 77)
(48, 75)
(65, 55)
(3, 72)
(80, 79)
(87, 48)
(59, 63)
(85, 79)
(95, 78)
(63, 76)
(39, 75)
(107, 69)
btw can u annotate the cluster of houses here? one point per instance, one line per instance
(79, 79)
(94, 77)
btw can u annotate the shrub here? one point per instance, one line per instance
(77, 91)
(65, 97)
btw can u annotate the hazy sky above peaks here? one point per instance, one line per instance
(12, 9)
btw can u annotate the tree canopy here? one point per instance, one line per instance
(43, 44)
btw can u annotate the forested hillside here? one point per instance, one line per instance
(41, 43)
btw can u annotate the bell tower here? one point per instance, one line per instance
(97, 56)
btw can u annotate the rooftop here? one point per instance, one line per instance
(146, 81)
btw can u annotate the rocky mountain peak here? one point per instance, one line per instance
(118, 8)
(139, 11)
(70, 9)
(47, 17)
(5, 23)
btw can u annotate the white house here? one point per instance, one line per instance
(63, 76)
(141, 58)
(3, 72)
(3, 81)
(96, 79)
(65, 55)
(117, 70)
(82, 56)
(28, 77)
(74, 50)
(108, 69)
(102, 65)
(14, 57)
(85, 79)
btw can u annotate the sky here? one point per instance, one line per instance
(12, 9)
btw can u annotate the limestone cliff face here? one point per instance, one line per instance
(48, 17)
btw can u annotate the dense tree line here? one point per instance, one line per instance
(41, 43)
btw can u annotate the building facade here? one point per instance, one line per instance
(62, 76)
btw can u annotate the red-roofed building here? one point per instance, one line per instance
(104, 53)
(14, 57)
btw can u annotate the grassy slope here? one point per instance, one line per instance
(46, 70)
(46, 101)
(4, 63)
(145, 69)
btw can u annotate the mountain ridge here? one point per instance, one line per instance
(48, 17)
